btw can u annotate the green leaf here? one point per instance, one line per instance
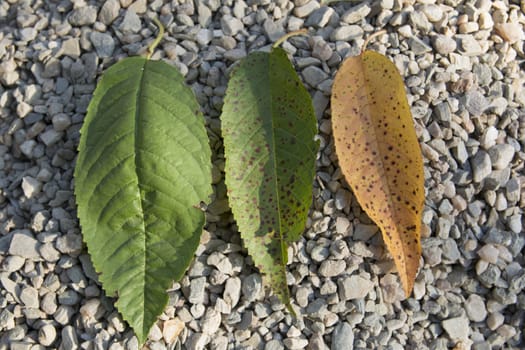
(268, 126)
(143, 168)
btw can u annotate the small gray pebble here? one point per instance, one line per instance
(501, 155)
(470, 46)
(23, 244)
(420, 21)
(273, 29)
(69, 244)
(347, 33)
(251, 287)
(231, 25)
(103, 43)
(475, 308)
(295, 343)
(131, 23)
(50, 137)
(317, 308)
(331, 268)
(204, 14)
(197, 341)
(357, 13)
(450, 250)
(433, 12)
(273, 345)
(354, 287)
(418, 46)
(71, 48)
(109, 11)
(29, 297)
(48, 303)
(211, 321)
(31, 186)
(457, 328)
(197, 293)
(320, 17)
(475, 102)
(28, 34)
(13, 263)
(232, 291)
(306, 9)
(82, 16)
(314, 75)
(481, 165)
(69, 338)
(47, 335)
(343, 337)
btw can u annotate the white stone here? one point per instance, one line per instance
(197, 293)
(204, 36)
(481, 166)
(29, 297)
(295, 343)
(510, 32)
(91, 310)
(23, 244)
(197, 341)
(306, 9)
(489, 253)
(50, 137)
(357, 13)
(31, 186)
(457, 328)
(341, 224)
(314, 75)
(47, 335)
(342, 337)
(23, 109)
(12, 263)
(433, 12)
(331, 268)
(475, 307)
(231, 25)
(347, 33)
(501, 155)
(354, 287)
(211, 321)
(488, 139)
(155, 333)
(485, 21)
(232, 291)
(495, 320)
(171, 330)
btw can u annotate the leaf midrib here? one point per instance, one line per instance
(135, 162)
(274, 160)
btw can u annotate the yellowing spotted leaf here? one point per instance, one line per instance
(379, 154)
(268, 126)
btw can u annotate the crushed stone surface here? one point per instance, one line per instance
(462, 63)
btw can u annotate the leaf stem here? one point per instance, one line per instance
(288, 35)
(373, 36)
(157, 40)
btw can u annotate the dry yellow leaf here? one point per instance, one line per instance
(379, 154)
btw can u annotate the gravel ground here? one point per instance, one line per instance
(461, 61)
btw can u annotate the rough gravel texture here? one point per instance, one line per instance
(462, 62)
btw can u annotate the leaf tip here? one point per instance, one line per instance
(290, 309)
